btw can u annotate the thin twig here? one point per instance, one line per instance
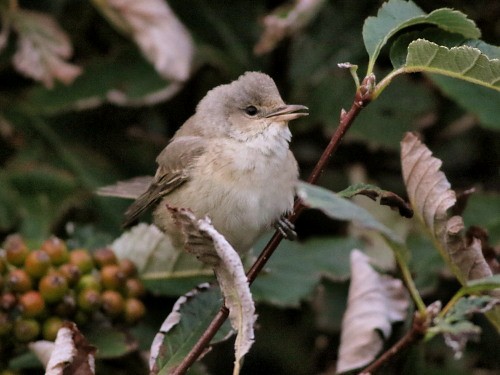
(362, 98)
(416, 333)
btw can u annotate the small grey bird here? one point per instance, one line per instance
(230, 161)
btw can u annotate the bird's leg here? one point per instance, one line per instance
(286, 228)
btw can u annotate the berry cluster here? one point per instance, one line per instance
(41, 288)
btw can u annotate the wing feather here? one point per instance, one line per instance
(174, 164)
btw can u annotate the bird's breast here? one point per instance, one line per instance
(242, 189)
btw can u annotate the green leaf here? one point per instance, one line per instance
(455, 325)
(196, 310)
(480, 285)
(465, 63)
(163, 268)
(425, 262)
(294, 271)
(110, 342)
(482, 210)
(339, 208)
(26, 360)
(394, 113)
(395, 15)
(9, 204)
(479, 100)
(474, 98)
(387, 198)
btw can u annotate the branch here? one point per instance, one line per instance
(416, 333)
(362, 98)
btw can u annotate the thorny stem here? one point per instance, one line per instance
(362, 98)
(417, 332)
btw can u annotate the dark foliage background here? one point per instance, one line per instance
(53, 157)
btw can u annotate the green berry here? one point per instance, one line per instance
(82, 259)
(89, 281)
(19, 281)
(50, 328)
(15, 249)
(53, 287)
(37, 263)
(112, 277)
(134, 310)
(26, 330)
(104, 256)
(32, 304)
(56, 249)
(89, 300)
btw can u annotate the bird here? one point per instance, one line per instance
(229, 161)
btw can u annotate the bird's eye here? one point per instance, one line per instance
(251, 110)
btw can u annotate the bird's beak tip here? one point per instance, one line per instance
(289, 112)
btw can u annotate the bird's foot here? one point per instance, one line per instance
(286, 228)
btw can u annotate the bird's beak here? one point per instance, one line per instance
(288, 112)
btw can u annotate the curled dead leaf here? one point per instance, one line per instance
(70, 353)
(208, 245)
(154, 27)
(277, 26)
(43, 48)
(375, 301)
(431, 197)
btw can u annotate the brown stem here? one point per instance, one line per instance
(361, 99)
(417, 332)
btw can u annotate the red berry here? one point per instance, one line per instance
(32, 304)
(112, 277)
(104, 256)
(7, 301)
(112, 303)
(37, 263)
(53, 287)
(19, 281)
(127, 267)
(134, 310)
(89, 300)
(16, 250)
(134, 288)
(71, 273)
(82, 259)
(56, 249)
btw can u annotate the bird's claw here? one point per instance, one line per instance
(286, 228)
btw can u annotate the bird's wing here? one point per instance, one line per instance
(174, 164)
(129, 189)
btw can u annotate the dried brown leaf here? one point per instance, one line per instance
(154, 27)
(375, 301)
(285, 21)
(208, 245)
(71, 354)
(43, 48)
(431, 197)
